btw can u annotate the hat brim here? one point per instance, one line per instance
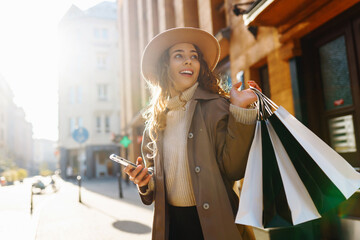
(207, 43)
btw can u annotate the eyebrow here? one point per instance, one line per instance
(180, 50)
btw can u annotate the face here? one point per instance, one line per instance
(184, 67)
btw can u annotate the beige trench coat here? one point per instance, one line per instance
(217, 147)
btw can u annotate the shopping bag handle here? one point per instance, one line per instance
(264, 105)
(268, 100)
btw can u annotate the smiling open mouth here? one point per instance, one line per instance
(187, 72)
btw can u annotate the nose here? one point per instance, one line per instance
(187, 61)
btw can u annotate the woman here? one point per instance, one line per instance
(195, 140)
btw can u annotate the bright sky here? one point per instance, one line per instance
(28, 57)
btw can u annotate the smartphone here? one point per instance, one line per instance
(124, 162)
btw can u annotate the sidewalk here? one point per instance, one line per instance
(16, 222)
(101, 215)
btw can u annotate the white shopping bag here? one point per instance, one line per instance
(251, 198)
(339, 171)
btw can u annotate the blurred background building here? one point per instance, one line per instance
(16, 142)
(89, 89)
(45, 155)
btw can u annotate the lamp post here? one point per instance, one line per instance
(79, 183)
(120, 183)
(31, 200)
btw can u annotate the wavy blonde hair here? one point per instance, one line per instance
(155, 113)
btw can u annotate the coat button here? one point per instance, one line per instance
(206, 206)
(191, 135)
(197, 169)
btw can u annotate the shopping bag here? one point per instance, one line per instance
(300, 202)
(276, 212)
(268, 207)
(251, 206)
(322, 190)
(340, 172)
(315, 178)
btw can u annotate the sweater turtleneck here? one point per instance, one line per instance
(180, 100)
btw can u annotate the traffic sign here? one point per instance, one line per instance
(80, 135)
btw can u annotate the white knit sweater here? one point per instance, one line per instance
(177, 173)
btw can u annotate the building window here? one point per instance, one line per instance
(80, 122)
(75, 94)
(98, 124)
(79, 94)
(105, 33)
(72, 95)
(72, 125)
(75, 123)
(101, 33)
(107, 124)
(97, 33)
(101, 61)
(102, 92)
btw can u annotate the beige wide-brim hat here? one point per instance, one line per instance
(207, 43)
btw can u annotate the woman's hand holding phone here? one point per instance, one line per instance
(138, 175)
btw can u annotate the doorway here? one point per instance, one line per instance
(103, 165)
(331, 68)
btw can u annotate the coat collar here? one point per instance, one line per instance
(202, 94)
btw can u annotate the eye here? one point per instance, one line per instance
(194, 57)
(178, 55)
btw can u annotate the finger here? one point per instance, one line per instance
(237, 85)
(136, 171)
(139, 161)
(254, 85)
(128, 169)
(140, 176)
(145, 181)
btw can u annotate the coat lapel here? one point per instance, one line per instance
(189, 117)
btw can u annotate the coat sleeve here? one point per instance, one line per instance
(147, 198)
(233, 140)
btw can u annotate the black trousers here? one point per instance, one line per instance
(184, 224)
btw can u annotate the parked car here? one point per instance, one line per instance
(39, 185)
(3, 181)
